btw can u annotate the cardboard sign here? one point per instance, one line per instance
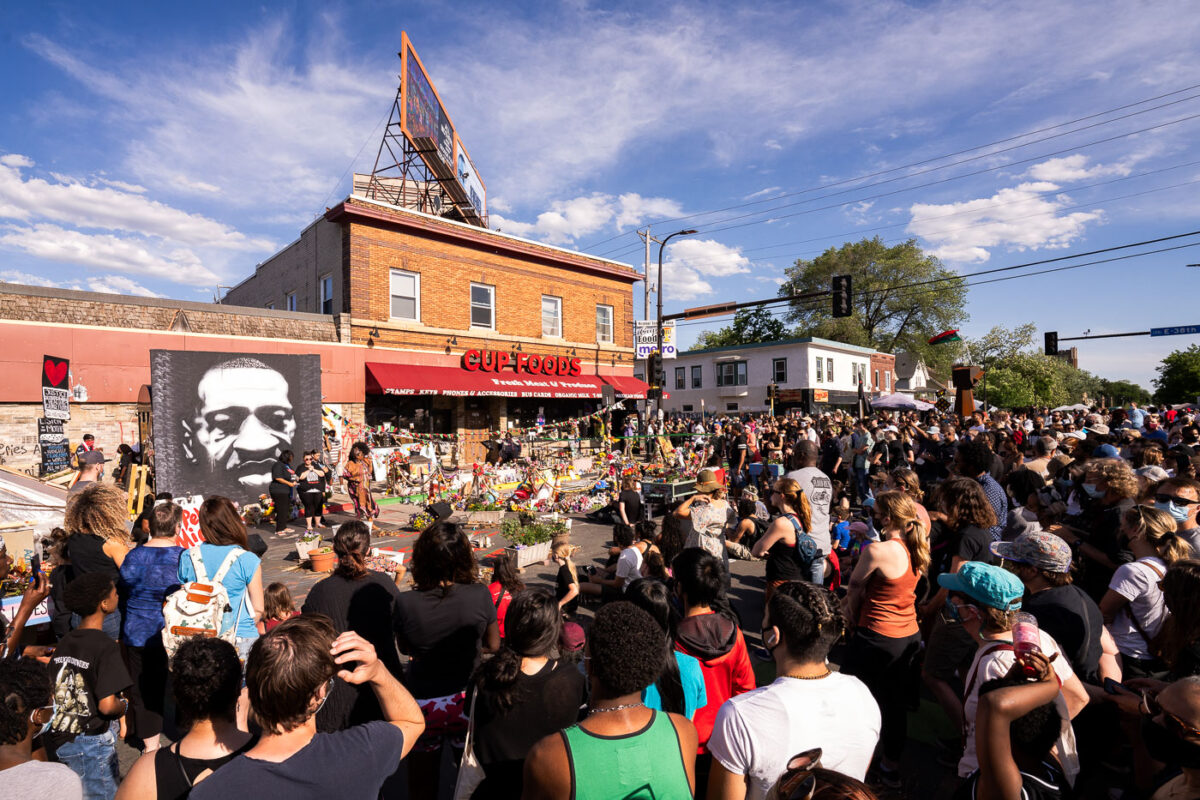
(56, 395)
(56, 451)
(189, 534)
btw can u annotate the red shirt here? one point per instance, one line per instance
(501, 604)
(725, 675)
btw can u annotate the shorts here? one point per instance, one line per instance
(950, 648)
(445, 722)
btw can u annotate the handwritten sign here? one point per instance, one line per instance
(56, 452)
(56, 395)
(189, 534)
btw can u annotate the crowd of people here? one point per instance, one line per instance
(1032, 575)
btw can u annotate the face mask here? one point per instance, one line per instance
(952, 611)
(1092, 491)
(1178, 513)
(1168, 748)
(45, 726)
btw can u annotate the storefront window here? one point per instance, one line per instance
(483, 306)
(406, 295)
(551, 316)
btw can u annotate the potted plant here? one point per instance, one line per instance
(322, 558)
(529, 543)
(308, 542)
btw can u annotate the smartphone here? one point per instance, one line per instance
(1113, 687)
(35, 567)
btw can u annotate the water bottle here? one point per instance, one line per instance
(1026, 639)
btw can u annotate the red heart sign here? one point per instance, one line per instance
(56, 371)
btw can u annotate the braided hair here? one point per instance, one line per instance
(809, 617)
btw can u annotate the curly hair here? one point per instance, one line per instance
(902, 511)
(975, 456)
(100, 509)
(796, 500)
(442, 555)
(85, 594)
(24, 686)
(809, 617)
(1117, 475)
(207, 677)
(964, 503)
(625, 645)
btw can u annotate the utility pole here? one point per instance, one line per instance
(647, 238)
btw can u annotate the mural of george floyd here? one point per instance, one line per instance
(222, 419)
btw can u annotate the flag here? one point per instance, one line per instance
(946, 336)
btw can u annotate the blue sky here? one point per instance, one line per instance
(164, 149)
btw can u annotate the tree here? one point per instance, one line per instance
(1000, 344)
(887, 318)
(1178, 378)
(1119, 393)
(748, 327)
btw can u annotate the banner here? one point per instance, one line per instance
(645, 338)
(56, 451)
(56, 394)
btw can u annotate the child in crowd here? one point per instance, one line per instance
(89, 680)
(278, 606)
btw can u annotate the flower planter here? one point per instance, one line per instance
(303, 548)
(322, 561)
(484, 519)
(533, 554)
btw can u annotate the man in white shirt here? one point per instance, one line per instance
(627, 569)
(817, 486)
(807, 706)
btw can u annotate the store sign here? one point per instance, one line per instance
(820, 395)
(56, 398)
(645, 338)
(532, 364)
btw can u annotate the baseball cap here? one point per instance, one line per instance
(1041, 550)
(93, 457)
(984, 583)
(1106, 451)
(933, 429)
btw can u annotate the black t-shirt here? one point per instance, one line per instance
(442, 633)
(348, 764)
(633, 505)
(974, 544)
(368, 607)
(831, 451)
(741, 451)
(1074, 620)
(562, 585)
(899, 453)
(86, 668)
(281, 470)
(1045, 783)
(544, 703)
(883, 464)
(86, 553)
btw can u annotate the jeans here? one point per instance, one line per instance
(94, 760)
(818, 571)
(862, 483)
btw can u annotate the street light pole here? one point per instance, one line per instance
(662, 245)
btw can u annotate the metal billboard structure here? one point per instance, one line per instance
(421, 163)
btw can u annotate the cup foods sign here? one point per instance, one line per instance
(532, 364)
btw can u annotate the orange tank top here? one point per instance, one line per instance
(890, 605)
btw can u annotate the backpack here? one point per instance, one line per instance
(806, 548)
(198, 607)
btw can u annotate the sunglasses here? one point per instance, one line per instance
(1170, 498)
(1151, 708)
(798, 781)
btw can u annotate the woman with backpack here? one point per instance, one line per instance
(787, 546)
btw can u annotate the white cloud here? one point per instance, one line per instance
(635, 209)
(1073, 168)
(119, 284)
(72, 202)
(28, 279)
(689, 261)
(763, 192)
(1019, 218)
(107, 251)
(568, 220)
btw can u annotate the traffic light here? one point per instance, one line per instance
(772, 393)
(654, 393)
(842, 296)
(1051, 343)
(654, 370)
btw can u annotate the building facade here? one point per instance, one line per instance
(810, 373)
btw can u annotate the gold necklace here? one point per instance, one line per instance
(824, 674)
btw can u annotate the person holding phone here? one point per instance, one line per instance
(310, 483)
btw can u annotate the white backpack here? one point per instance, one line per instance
(198, 607)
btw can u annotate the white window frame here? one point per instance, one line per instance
(875, 385)
(557, 332)
(776, 363)
(416, 278)
(680, 379)
(887, 380)
(321, 283)
(731, 407)
(491, 307)
(290, 299)
(740, 370)
(829, 369)
(697, 376)
(600, 336)
(820, 377)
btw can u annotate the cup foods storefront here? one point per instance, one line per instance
(489, 390)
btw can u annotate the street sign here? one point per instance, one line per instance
(1178, 330)
(646, 338)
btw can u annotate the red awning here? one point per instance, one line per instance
(401, 379)
(628, 388)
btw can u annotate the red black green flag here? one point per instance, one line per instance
(946, 336)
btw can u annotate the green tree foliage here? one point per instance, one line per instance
(748, 327)
(1120, 393)
(1178, 378)
(885, 317)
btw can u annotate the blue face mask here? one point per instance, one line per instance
(952, 611)
(1092, 491)
(1178, 513)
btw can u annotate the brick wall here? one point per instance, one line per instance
(298, 268)
(35, 304)
(110, 423)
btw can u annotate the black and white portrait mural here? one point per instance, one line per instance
(222, 419)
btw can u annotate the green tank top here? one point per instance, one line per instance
(647, 765)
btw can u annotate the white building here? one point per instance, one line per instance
(809, 372)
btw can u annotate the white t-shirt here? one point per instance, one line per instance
(629, 566)
(758, 732)
(1137, 582)
(996, 665)
(819, 489)
(39, 780)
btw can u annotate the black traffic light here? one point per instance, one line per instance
(842, 296)
(772, 392)
(1051, 343)
(654, 393)
(654, 370)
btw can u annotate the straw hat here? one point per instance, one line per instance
(707, 483)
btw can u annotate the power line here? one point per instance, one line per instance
(878, 173)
